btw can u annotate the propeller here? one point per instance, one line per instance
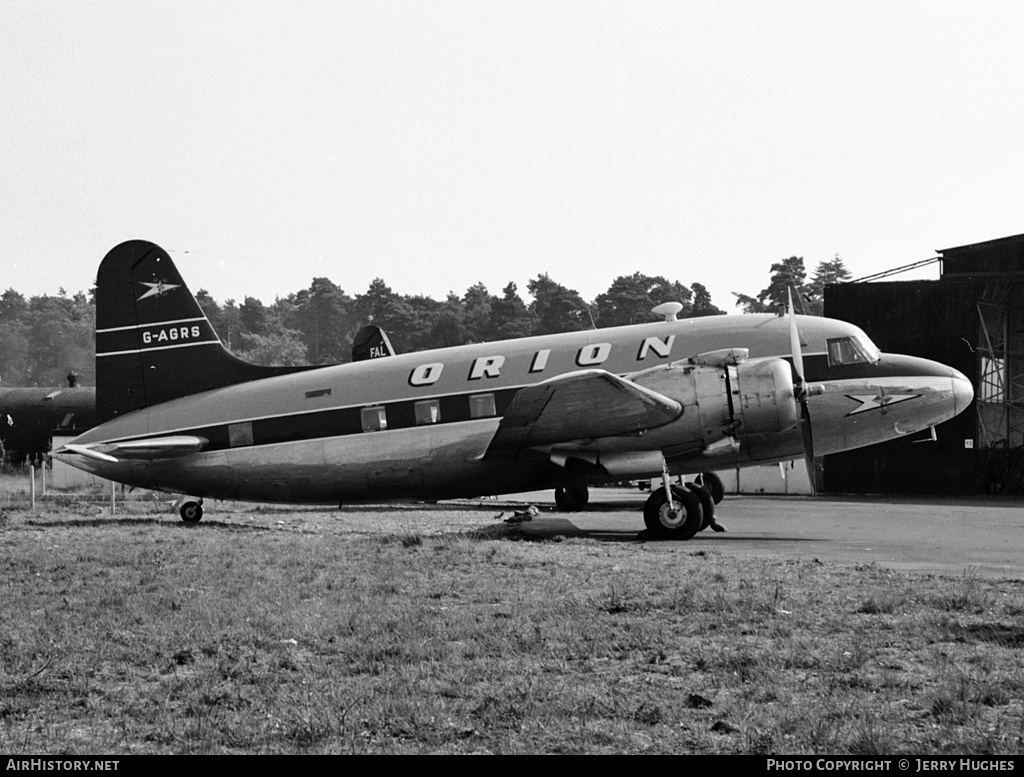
(803, 391)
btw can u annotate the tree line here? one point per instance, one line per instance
(45, 337)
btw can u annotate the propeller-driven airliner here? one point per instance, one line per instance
(179, 413)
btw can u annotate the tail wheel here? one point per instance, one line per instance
(665, 523)
(707, 504)
(571, 499)
(191, 512)
(714, 485)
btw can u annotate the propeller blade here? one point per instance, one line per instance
(805, 430)
(802, 393)
(808, 438)
(794, 341)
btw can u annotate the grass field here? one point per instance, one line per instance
(434, 629)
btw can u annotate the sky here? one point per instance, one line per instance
(438, 144)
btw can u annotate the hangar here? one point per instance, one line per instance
(972, 319)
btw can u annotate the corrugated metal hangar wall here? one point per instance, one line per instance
(971, 319)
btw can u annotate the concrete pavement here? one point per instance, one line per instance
(955, 536)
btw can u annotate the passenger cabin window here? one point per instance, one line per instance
(240, 435)
(851, 350)
(482, 406)
(428, 411)
(374, 419)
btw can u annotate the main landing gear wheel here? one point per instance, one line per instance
(571, 499)
(191, 512)
(707, 504)
(665, 523)
(714, 485)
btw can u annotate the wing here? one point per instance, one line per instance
(153, 448)
(579, 406)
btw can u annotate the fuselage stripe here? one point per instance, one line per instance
(342, 422)
(156, 348)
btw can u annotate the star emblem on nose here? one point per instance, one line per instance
(878, 401)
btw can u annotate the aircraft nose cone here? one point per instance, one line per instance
(963, 391)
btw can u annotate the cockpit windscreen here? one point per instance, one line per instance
(856, 349)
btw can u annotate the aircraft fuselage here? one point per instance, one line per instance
(419, 425)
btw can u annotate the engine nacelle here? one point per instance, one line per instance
(727, 404)
(764, 398)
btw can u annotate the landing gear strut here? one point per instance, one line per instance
(191, 512)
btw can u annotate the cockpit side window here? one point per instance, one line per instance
(851, 350)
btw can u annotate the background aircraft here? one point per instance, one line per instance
(178, 413)
(30, 416)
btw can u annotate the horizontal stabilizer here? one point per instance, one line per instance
(579, 406)
(153, 448)
(83, 450)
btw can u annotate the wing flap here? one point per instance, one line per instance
(579, 406)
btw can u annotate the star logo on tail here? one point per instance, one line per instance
(157, 289)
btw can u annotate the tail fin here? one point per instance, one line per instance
(153, 341)
(371, 342)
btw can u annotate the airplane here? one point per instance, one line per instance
(179, 413)
(29, 416)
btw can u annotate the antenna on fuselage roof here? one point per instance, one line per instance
(668, 310)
